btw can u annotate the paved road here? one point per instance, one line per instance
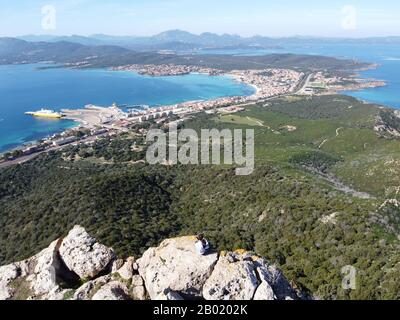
(19, 160)
(304, 84)
(32, 156)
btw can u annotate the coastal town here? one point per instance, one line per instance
(166, 70)
(95, 122)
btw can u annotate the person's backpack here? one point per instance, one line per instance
(205, 244)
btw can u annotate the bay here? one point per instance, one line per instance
(26, 88)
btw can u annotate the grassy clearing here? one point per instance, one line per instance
(235, 119)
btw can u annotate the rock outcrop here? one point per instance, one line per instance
(83, 255)
(175, 265)
(77, 267)
(234, 278)
(7, 275)
(241, 275)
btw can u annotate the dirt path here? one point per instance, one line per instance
(323, 142)
(259, 122)
(338, 131)
(338, 185)
(326, 140)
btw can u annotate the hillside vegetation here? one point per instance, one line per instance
(301, 208)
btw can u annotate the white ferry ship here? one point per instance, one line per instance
(44, 113)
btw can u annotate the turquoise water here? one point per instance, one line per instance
(25, 88)
(386, 55)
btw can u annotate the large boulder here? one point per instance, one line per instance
(276, 280)
(234, 278)
(43, 279)
(7, 275)
(83, 255)
(176, 266)
(264, 292)
(32, 278)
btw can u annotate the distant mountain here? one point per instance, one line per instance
(89, 41)
(174, 36)
(178, 40)
(206, 39)
(100, 56)
(19, 51)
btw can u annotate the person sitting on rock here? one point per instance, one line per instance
(202, 245)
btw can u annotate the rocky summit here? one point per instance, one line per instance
(77, 267)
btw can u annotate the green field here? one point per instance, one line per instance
(234, 119)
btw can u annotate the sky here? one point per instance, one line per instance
(275, 18)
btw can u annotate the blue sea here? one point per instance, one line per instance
(386, 55)
(26, 88)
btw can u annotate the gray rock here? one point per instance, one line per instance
(38, 273)
(138, 293)
(7, 274)
(264, 292)
(114, 290)
(55, 294)
(175, 265)
(138, 289)
(116, 264)
(6, 292)
(47, 264)
(137, 280)
(83, 255)
(87, 290)
(127, 270)
(232, 279)
(278, 282)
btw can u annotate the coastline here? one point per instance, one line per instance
(92, 117)
(79, 121)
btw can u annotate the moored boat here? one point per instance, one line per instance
(45, 113)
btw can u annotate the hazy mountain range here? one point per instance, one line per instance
(106, 51)
(178, 40)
